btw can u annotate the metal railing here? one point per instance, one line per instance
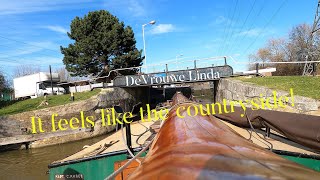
(194, 64)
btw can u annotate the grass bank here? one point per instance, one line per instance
(302, 85)
(32, 104)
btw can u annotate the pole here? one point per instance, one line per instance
(128, 135)
(144, 48)
(144, 43)
(51, 79)
(166, 69)
(176, 62)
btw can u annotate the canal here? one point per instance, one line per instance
(32, 164)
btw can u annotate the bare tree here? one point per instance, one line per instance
(24, 70)
(295, 48)
(66, 76)
(261, 56)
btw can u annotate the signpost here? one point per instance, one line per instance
(174, 77)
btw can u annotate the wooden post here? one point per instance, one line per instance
(51, 79)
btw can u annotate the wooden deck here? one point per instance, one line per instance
(114, 142)
(277, 142)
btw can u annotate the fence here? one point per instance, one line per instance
(296, 67)
(288, 68)
(85, 87)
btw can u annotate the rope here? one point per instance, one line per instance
(140, 135)
(114, 174)
(101, 148)
(252, 128)
(137, 140)
(147, 129)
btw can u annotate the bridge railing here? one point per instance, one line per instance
(194, 63)
(174, 65)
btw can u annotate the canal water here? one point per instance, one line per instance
(32, 164)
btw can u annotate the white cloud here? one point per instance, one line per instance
(28, 6)
(251, 33)
(58, 29)
(220, 20)
(23, 51)
(254, 32)
(133, 7)
(37, 61)
(33, 48)
(45, 60)
(162, 28)
(136, 8)
(42, 62)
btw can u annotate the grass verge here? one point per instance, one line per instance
(302, 85)
(32, 104)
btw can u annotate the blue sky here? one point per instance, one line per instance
(32, 31)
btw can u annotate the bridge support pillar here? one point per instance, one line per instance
(215, 90)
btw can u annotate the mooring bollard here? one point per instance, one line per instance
(72, 96)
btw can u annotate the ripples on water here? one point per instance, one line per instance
(33, 163)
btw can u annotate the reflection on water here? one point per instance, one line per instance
(33, 163)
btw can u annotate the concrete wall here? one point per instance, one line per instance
(231, 89)
(19, 125)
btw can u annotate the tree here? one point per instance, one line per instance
(101, 43)
(24, 70)
(4, 84)
(6, 91)
(261, 56)
(295, 48)
(65, 76)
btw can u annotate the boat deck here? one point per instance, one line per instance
(278, 141)
(114, 142)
